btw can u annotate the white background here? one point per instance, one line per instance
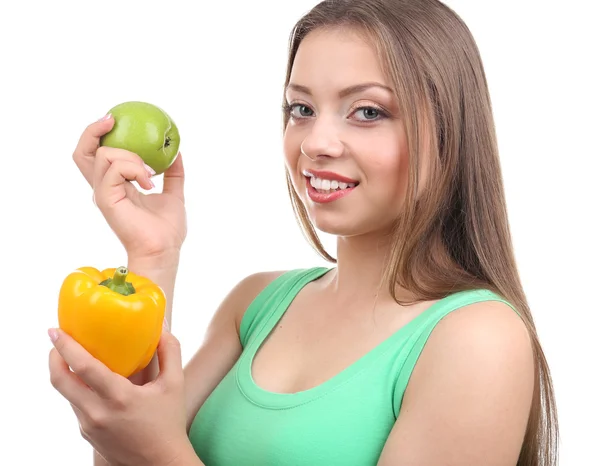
(218, 70)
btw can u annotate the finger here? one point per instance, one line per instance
(89, 141)
(174, 178)
(90, 370)
(106, 156)
(66, 382)
(111, 189)
(169, 359)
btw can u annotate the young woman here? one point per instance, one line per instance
(417, 348)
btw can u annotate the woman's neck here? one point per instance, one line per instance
(357, 278)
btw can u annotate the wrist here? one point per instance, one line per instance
(166, 261)
(186, 455)
(162, 270)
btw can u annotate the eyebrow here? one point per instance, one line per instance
(344, 92)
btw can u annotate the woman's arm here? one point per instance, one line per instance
(469, 396)
(162, 271)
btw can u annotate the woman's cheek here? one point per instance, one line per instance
(291, 153)
(386, 170)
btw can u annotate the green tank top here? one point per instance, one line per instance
(344, 421)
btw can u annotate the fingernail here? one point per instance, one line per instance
(149, 169)
(105, 117)
(53, 334)
(165, 324)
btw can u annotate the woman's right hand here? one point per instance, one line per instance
(148, 225)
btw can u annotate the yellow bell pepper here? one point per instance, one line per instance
(116, 315)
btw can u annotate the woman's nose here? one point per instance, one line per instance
(322, 141)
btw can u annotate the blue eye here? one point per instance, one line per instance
(303, 109)
(299, 111)
(371, 113)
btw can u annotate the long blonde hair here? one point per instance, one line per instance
(454, 235)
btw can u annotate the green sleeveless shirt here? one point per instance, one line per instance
(344, 421)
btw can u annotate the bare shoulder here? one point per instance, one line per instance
(485, 342)
(487, 326)
(247, 289)
(470, 391)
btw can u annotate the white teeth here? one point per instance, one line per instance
(328, 185)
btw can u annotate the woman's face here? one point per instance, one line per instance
(344, 119)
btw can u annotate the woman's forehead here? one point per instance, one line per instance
(336, 59)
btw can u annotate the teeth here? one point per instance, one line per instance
(329, 185)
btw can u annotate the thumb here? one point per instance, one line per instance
(174, 177)
(169, 356)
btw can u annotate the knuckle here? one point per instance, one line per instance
(83, 433)
(118, 165)
(103, 152)
(99, 200)
(175, 342)
(175, 345)
(55, 380)
(95, 420)
(59, 346)
(81, 368)
(113, 174)
(121, 401)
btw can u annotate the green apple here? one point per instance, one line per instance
(145, 130)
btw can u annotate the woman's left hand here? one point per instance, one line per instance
(126, 423)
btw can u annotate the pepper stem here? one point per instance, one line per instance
(118, 282)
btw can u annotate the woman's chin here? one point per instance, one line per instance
(339, 227)
(350, 225)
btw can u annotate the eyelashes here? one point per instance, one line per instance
(288, 110)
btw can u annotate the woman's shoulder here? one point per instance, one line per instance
(256, 289)
(483, 321)
(482, 340)
(249, 288)
(491, 321)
